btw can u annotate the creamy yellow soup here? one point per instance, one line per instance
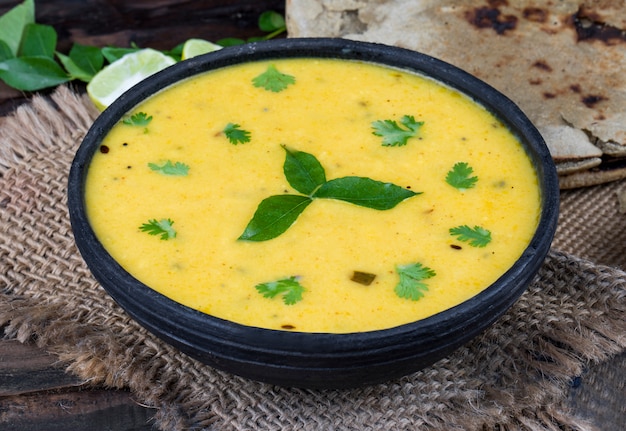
(171, 197)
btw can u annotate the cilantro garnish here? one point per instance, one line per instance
(273, 80)
(394, 134)
(236, 135)
(476, 237)
(459, 176)
(303, 171)
(140, 119)
(290, 289)
(411, 285)
(162, 227)
(169, 168)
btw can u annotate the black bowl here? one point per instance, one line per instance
(316, 360)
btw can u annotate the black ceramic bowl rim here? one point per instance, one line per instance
(319, 360)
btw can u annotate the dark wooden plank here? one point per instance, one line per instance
(37, 394)
(25, 368)
(88, 410)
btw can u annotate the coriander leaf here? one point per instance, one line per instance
(162, 227)
(459, 176)
(273, 216)
(171, 169)
(139, 119)
(236, 135)
(273, 80)
(13, 22)
(290, 289)
(364, 192)
(32, 73)
(38, 40)
(303, 171)
(411, 285)
(393, 134)
(476, 237)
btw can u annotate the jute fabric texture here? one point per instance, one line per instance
(518, 374)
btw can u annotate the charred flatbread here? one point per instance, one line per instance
(562, 62)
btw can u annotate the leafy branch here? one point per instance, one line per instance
(29, 60)
(303, 171)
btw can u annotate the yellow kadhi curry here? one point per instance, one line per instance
(313, 195)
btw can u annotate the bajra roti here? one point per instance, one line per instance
(562, 62)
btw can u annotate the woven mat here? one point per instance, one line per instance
(518, 374)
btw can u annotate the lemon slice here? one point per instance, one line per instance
(114, 79)
(193, 47)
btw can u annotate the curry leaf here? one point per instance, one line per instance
(5, 51)
(88, 58)
(83, 62)
(364, 192)
(38, 40)
(271, 21)
(111, 53)
(273, 216)
(230, 41)
(13, 22)
(32, 73)
(303, 171)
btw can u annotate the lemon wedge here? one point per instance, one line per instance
(114, 79)
(194, 47)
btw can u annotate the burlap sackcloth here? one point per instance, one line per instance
(516, 375)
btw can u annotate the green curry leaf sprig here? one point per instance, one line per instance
(303, 171)
(29, 60)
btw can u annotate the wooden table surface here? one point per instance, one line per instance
(35, 392)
